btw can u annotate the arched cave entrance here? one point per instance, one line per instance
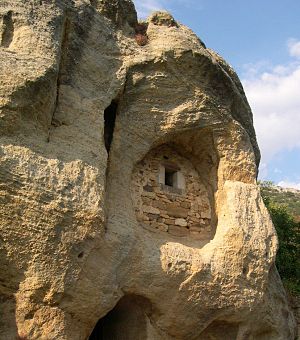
(127, 321)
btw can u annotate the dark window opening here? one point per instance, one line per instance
(170, 177)
(110, 114)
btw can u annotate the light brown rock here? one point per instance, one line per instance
(150, 210)
(174, 211)
(181, 222)
(71, 247)
(196, 227)
(176, 230)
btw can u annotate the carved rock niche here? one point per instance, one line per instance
(170, 196)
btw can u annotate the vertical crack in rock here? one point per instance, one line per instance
(63, 51)
(8, 30)
(110, 114)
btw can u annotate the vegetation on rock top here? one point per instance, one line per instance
(284, 206)
(288, 197)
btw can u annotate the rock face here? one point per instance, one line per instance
(100, 135)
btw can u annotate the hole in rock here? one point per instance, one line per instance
(127, 321)
(8, 30)
(110, 114)
(169, 177)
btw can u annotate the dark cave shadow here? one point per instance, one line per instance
(128, 320)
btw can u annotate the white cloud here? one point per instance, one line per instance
(286, 184)
(275, 100)
(294, 48)
(274, 96)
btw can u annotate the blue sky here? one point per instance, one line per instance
(261, 40)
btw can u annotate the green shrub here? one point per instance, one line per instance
(288, 256)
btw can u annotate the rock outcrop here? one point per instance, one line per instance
(129, 200)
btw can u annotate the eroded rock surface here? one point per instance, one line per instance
(83, 110)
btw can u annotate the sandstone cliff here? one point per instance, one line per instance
(128, 182)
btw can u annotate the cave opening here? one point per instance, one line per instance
(110, 114)
(127, 321)
(7, 30)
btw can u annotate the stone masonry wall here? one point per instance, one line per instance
(179, 212)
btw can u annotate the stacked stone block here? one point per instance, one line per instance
(179, 212)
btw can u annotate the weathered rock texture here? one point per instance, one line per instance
(73, 249)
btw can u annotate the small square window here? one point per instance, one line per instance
(170, 177)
